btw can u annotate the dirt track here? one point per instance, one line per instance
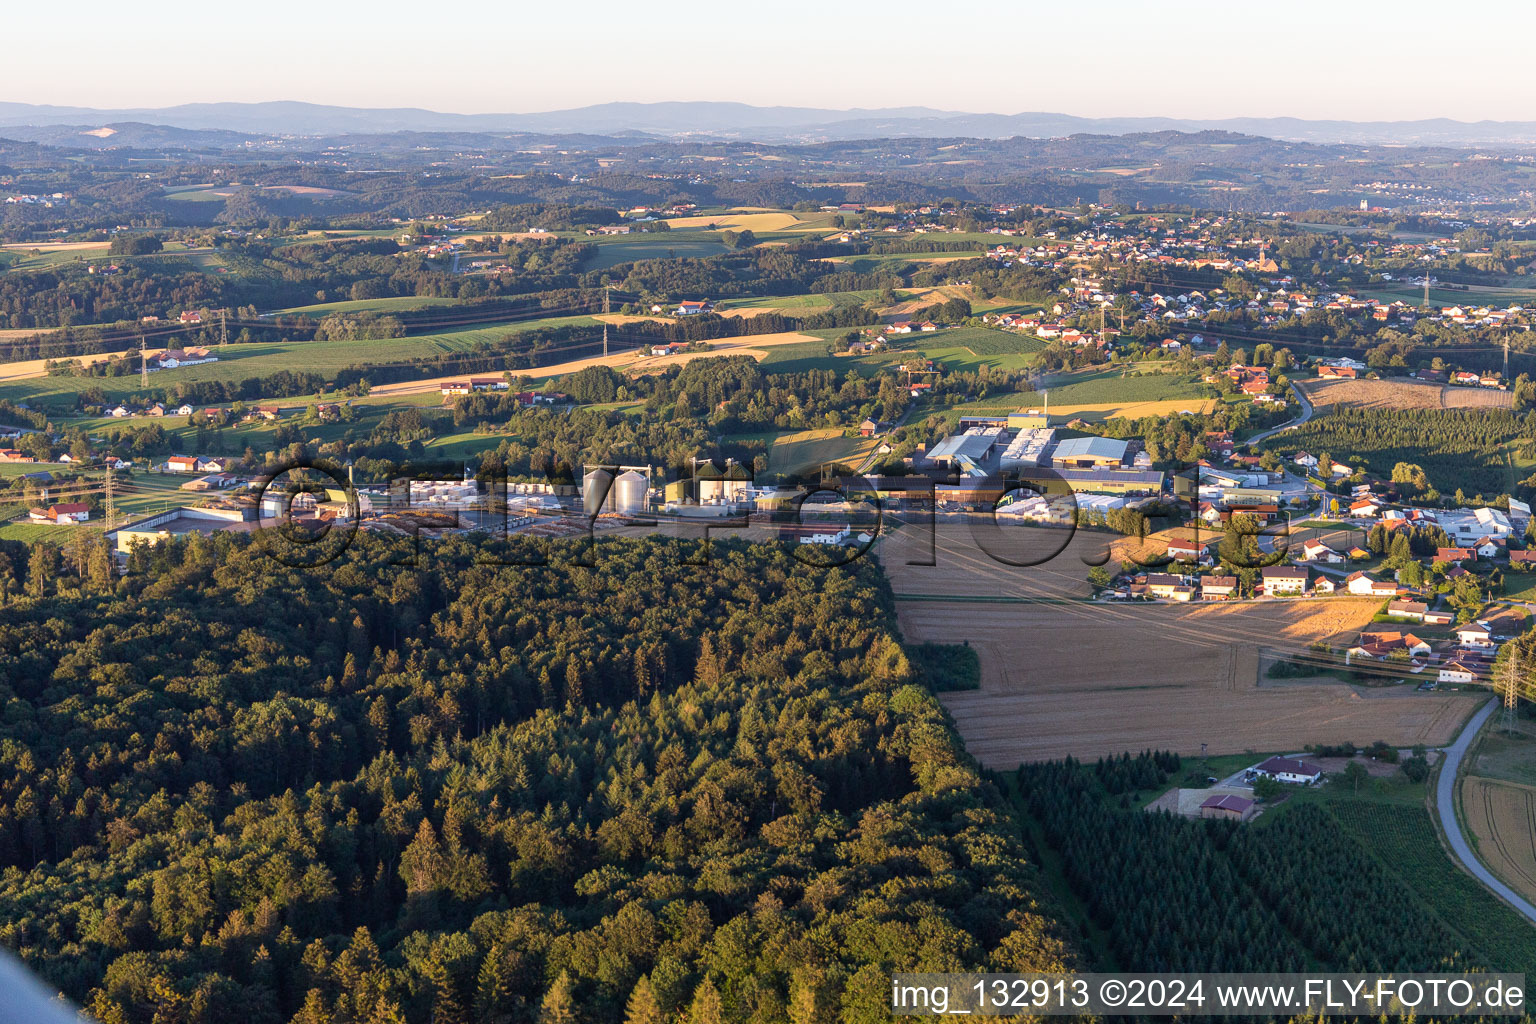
(1063, 676)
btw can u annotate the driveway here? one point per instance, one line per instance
(1445, 803)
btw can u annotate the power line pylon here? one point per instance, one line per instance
(605, 322)
(223, 328)
(143, 363)
(111, 508)
(1509, 687)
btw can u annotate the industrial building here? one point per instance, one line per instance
(1030, 447)
(1113, 481)
(1089, 453)
(969, 452)
(1029, 419)
(178, 522)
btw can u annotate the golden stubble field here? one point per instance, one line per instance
(1063, 676)
(1400, 394)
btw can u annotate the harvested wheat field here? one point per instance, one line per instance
(1060, 675)
(736, 221)
(1502, 817)
(1399, 394)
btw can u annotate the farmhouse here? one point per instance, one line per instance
(72, 512)
(1288, 770)
(687, 308)
(181, 464)
(1229, 806)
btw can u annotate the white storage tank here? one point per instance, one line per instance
(597, 492)
(629, 492)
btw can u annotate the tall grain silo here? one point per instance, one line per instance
(630, 491)
(597, 491)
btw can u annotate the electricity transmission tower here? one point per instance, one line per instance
(143, 363)
(223, 328)
(1509, 690)
(111, 508)
(605, 322)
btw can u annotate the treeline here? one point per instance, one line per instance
(232, 789)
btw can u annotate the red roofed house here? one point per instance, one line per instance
(73, 512)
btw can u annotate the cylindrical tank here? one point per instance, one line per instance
(630, 491)
(711, 483)
(597, 491)
(737, 478)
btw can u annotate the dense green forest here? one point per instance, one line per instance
(233, 790)
(1291, 892)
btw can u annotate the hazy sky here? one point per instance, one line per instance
(1342, 58)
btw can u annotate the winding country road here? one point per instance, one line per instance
(1306, 414)
(1445, 803)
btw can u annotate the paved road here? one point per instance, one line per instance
(1306, 414)
(1445, 802)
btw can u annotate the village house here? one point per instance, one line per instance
(1217, 588)
(1290, 771)
(1188, 551)
(1283, 580)
(1476, 636)
(1366, 585)
(1316, 551)
(1460, 670)
(1453, 555)
(1169, 587)
(1407, 610)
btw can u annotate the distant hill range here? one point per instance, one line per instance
(55, 125)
